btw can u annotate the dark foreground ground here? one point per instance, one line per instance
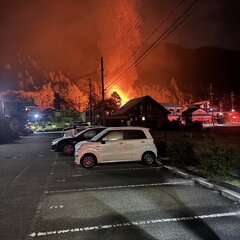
(44, 197)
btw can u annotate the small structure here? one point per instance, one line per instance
(175, 111)
(3, 106)
(142, 111)
(196, 114)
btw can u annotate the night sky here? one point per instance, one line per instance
(72, 35)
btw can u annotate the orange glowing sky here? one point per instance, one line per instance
(72, 37)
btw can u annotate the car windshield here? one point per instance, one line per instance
(99, 136)
(80, 133)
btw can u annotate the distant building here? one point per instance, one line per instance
(142, 111)
(3, 102)
(201, 111)
(203, 104)
(87, 118)
(175, 111)
(196, 114)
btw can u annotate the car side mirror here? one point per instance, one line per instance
(104, 140)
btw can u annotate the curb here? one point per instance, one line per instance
(204, 183)
(229, 194)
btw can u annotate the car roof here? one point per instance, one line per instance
(128, 128)
(90, 128)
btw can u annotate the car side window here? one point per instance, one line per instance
(90, 134)
(114, 136)
(134, 134)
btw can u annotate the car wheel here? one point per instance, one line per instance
(88, 161)
(68, 149)
(148, 158)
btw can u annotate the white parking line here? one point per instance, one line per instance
(108, 170)
(61, 180)
(125, 224)
(186, 182)
(56, 207)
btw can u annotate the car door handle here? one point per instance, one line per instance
(121, 143)
(143, 142)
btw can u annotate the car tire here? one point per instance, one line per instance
(88, 161)
(68, 149)
(148, 158)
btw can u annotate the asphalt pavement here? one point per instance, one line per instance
(43, 196)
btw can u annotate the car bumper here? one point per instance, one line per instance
(77, 158)
(54, 148)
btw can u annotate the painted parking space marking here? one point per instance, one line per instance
(138, 223)
(186, 182)
(108, 170)
(76, 175)
(61, 180)
(56, 207)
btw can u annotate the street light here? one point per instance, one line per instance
(36, 117)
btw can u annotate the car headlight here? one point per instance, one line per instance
(78, 147)
(54, 142)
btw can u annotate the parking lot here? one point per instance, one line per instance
(43, 196)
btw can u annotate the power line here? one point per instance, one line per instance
(163, 36)
(138, 21)
(151, 34)
(167, 32)
(147, 6)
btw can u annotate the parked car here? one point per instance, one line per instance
(117, 144)
(66, 144)
(71, 131)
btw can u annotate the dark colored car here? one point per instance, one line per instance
(67, 144)
(70, 132)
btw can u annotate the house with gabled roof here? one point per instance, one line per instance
(174, 109)
(142, 111)
(197, 114)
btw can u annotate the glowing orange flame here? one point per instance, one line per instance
(121, 93)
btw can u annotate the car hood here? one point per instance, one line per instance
(79, 144)
(59, 139)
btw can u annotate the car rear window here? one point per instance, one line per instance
(134, 134)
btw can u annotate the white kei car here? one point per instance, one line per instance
(117, 144)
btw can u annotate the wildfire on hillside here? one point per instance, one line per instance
(124, 97)
(117, 44)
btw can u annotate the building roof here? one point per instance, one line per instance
(169, 105)
(133, 102)
(192, 110)
(200, 103)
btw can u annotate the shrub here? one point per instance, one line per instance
(174, 125)
(219, 160)
(181, 150)
(161, 148)
(195, 126)
(6, 132)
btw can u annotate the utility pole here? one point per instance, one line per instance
(211, 94)
(90, 100)
(103, 90)
(220, 106)
(232, 101)
(211, 102)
